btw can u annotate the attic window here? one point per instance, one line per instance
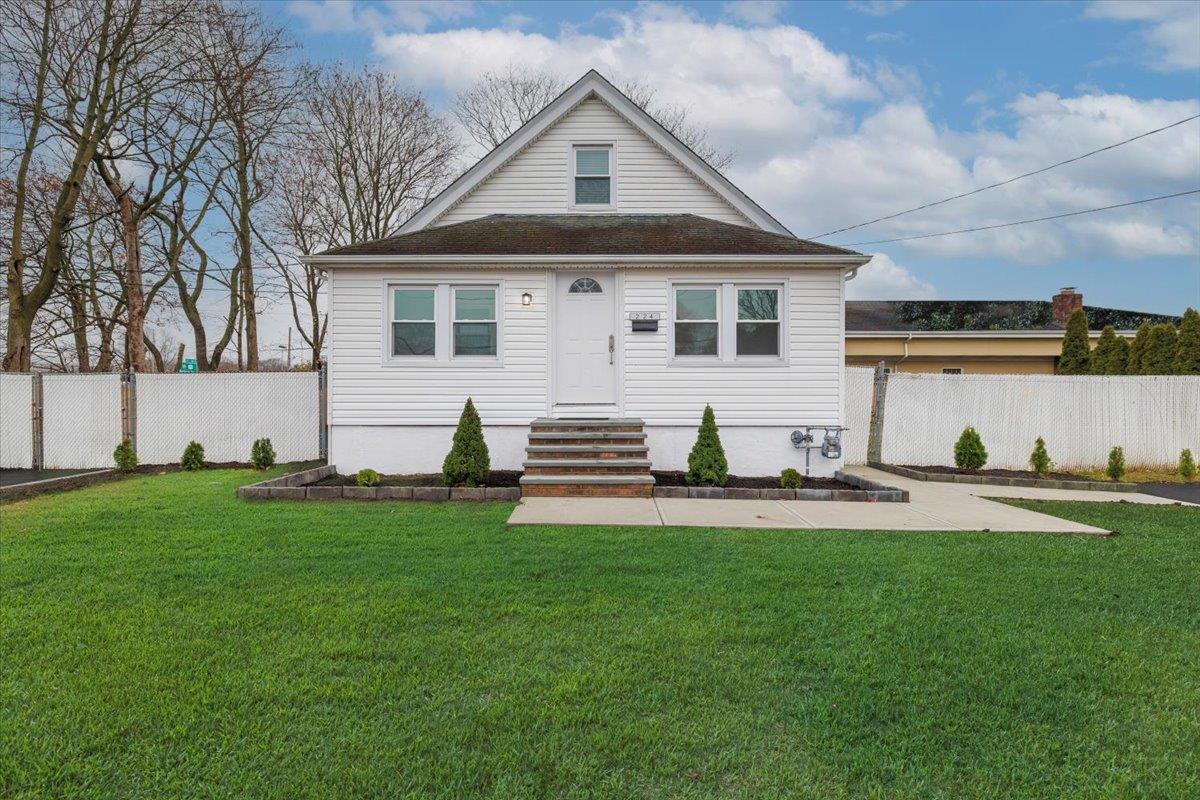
(593, 175)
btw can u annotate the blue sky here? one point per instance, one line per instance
(841, 112)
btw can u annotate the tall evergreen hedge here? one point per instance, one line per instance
(1136, 348)
(1187, 348)
(1159, 356)
(1076, 355)
(1111, 354)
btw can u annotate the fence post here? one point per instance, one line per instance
(129, 408)
(875, 436)
(36, 419)
(322, 408)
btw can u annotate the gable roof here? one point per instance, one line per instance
(593, 83)
(945, 316)
(592, 235)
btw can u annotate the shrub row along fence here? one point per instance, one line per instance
(916, 418)
(58, 421)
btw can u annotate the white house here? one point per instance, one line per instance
(590, 267)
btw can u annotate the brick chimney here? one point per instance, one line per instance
(1063, 303)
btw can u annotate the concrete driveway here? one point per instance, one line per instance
(933, 507)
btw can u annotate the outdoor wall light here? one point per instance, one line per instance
(526, 299)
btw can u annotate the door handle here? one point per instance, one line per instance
(612, 341)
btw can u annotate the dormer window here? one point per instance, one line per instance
(593, 175)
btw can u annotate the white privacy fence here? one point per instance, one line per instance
(226, 412)
(858, 413)
(1080, 417)
(16, 420)
(84, 416)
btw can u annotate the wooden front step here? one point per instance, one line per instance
(587, 458)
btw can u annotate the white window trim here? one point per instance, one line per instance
(443, 312)
(727, 323)
(612, 177)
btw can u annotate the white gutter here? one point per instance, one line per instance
(486, 260)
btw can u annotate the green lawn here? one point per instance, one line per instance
(162, 639)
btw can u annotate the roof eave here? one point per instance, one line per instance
(847, 261)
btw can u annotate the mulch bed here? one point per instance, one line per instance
(497, 477)
(1000, 473)
(671, 478)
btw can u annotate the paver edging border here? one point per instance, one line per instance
(868, 491)
(296, 486)
(19, 491)
(991, 480)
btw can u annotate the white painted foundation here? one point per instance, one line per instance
(401, 449)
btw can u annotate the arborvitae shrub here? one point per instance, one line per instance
(1039, 459)
(969, 452)
(262, 454)
(1136, 350)
(1187, 465)
(124, 457)
(1159, 356)
(1111, 354)
(1116, 463)
(193, 456)
(467, 463)
(1187, 348)
(1076, 357)
(790, 479)
(367, 477)
(706, 463)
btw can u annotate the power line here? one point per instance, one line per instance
(1008, 181)
(1026, 221)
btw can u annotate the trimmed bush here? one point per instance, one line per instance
(193, 456)
(969, 452)
(1159, 356)
(706, 463)
(1187, 465)
(1136, 350)
(124, 457)
(1076, 358)
(367, 477)
(1111, 355)
(790, 479)
(467, 463)
(1187, 350)
(1116, 463)
(1039, 459)
(262, 454)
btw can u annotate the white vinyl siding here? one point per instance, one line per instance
(539, 179)
(368, 388)
(804, 387)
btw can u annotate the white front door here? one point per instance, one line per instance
(585, 333)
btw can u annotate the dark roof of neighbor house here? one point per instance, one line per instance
(590, 234)
(981, 315)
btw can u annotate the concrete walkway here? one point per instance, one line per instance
(933, 507)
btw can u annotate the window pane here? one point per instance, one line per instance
(591, 191)
(695, 338)
(474, 338)
(474, 303)
(591, 162)
(413, 338)
(696, 304)
(758, 339)
(585, 286)
(413, 304)
(758, 304)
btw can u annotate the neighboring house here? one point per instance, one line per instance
(591, 266)
(974, 336)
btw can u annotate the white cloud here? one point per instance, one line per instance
(1170, 29)
(876, 8)
(754, 12)
(884, 279)
(886, 36)
(347, 15)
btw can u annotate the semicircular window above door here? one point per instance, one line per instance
(585, 286)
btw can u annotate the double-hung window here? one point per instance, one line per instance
(592, 165)
(728, 321)
(443, 322)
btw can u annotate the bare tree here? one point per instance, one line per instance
(501, 102)
(675, 118)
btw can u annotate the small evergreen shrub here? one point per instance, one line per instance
(1187, 465)
(706, 463)
(124, 457)
(467, 463)
(790, 479)
(367, 477)
(969, 452)
(193, 456)
(1116, 463)
(1039, 459)
(262, 454)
